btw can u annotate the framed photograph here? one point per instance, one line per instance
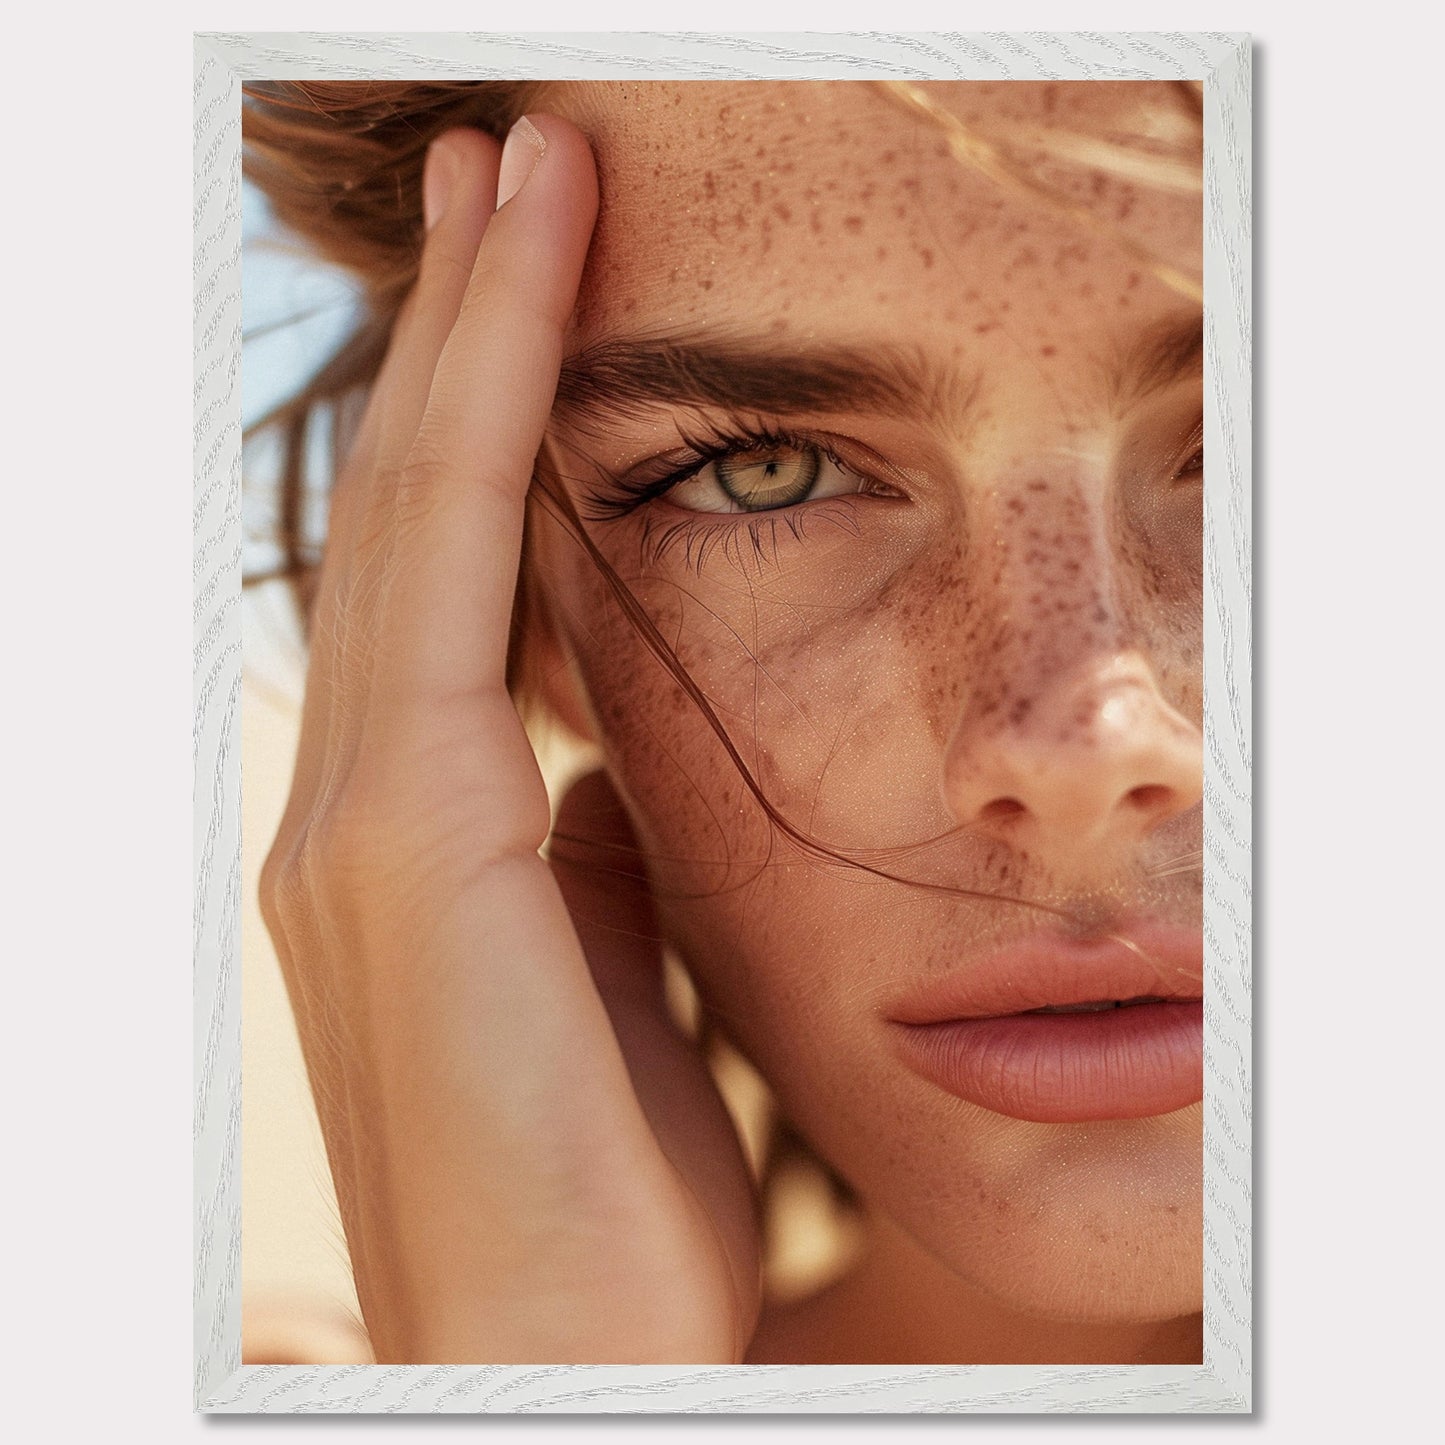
(706, 561)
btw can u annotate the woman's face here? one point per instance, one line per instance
(946, 603)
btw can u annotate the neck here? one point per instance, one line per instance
(899, 1305)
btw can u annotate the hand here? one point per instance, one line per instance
(530, 1161)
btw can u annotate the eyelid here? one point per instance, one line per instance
(1193, 447)
(655, 476)
(1157, 452)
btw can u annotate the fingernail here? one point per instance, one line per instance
(524, 148)
(438, 178)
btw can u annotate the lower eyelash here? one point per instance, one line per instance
(747, 542)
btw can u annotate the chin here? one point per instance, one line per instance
(1098, 1223)
(1093, 1223)
(1114, 1287)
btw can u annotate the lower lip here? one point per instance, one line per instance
(1119, 1063)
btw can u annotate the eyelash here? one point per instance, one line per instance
(742, 537)
(731, 438)
(1191, 454)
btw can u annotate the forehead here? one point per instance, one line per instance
(827, 208)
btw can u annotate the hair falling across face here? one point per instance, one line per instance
(870, 523)
(865, 541)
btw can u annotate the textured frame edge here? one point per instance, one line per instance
(220, 1384)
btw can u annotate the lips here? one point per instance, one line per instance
(1055, 1029)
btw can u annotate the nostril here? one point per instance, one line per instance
(1149, 797)
(1000, 808)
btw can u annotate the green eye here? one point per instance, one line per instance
(776, 477)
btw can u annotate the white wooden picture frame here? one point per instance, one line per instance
(1223, 1382)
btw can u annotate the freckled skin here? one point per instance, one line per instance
(881, 673)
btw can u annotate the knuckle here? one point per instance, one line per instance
(424, 485)
(443, 270)
(344, 838)
(421, 479)
(314, 867)
(507, 306)
(489, 279)
(503, 285)
(425, 466)
(284, 891)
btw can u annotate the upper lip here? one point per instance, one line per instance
(1051, 969)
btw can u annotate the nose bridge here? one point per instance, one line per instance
(1051, 584)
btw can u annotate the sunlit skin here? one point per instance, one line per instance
(930, 668)
(864, 540)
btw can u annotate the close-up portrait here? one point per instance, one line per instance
(724, 722)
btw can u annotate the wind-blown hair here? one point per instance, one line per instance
(341, 165)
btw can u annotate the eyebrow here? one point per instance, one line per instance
(1164, 354)
(625, 377)
(628, 375)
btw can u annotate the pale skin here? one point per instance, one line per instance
(531, 1160)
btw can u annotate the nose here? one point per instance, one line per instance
(1093, 759)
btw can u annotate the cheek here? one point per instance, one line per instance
(833, 675)
(695, 817)
(836, 674)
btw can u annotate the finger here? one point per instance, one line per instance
(460, 182)
(458, 519)
(460, 185)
